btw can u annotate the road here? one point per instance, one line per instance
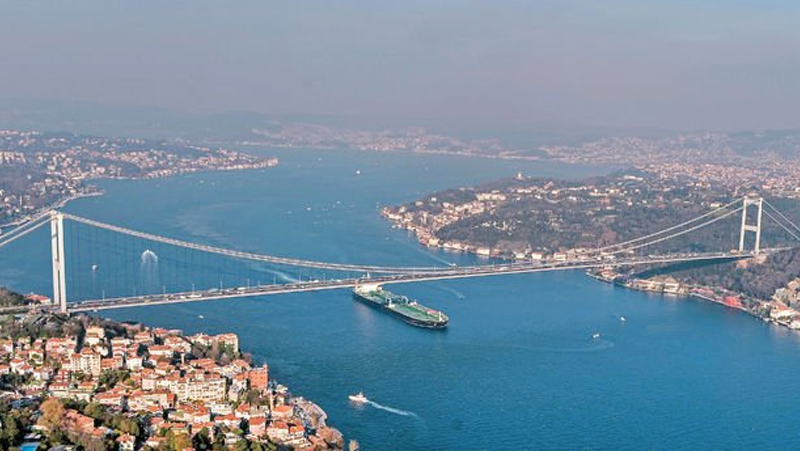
(450, 273)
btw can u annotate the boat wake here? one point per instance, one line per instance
(452, 291)
(438, 259)
(591, 345)
(594, 344)
(404, 413)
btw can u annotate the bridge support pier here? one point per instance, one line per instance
(59, 265)
(758, 202)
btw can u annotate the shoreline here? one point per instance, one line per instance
(165, 380)
(460, 247)
(773, 314)
(93, 191)
(58, 204)
(510, 157)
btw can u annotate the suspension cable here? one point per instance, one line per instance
(789, 231)
(31, 226)
(781, 215)
(625, 246)
(245, 255)
(26, 224)
(674, 235)
(669, 229)
(383, 269)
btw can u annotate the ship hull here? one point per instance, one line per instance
(413, 321)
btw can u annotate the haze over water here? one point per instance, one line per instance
(518, 367)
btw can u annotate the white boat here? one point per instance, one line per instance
(358, 398)
(596, 335)
(623, 319)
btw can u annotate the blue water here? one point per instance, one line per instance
(518, 367)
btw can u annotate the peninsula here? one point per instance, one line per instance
(527, 219)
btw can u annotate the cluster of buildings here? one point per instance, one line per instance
(155, 377)
(638, 151)
(27, 196)
(665, 285)
(424, 223)
(790, 294)
(775, 177)
(412, 139)
(737, 163)
(785, 305)
(41, 169)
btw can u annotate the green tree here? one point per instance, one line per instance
(201, 441)
(111, 378)
(95, 410)
(130, 426)
(11, 432)
(9, 298)
(260, 446)
(219, 443)
(178, 441)
(242, 445)
(57, 437)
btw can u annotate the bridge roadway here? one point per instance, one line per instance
(450, 273)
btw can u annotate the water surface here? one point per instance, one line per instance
(518, 367)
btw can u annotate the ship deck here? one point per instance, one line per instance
(403, 306)
(416, 311)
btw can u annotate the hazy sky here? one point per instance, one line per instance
(693, 63)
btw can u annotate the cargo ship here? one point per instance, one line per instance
(402, 307)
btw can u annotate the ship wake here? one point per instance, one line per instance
(404, 413)
(452, 291)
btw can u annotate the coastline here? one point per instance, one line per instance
(167, 382)
(499, 156)
(58, 204)
(93, 191)
(767, 311)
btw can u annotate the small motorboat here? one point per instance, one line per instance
(358, 398)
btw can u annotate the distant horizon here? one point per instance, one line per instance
(39, 114)
(679, 65)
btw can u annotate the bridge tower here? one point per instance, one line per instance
(59, 265)
(749, 200)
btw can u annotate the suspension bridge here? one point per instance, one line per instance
(109, 256)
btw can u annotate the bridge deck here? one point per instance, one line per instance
(452, 273)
